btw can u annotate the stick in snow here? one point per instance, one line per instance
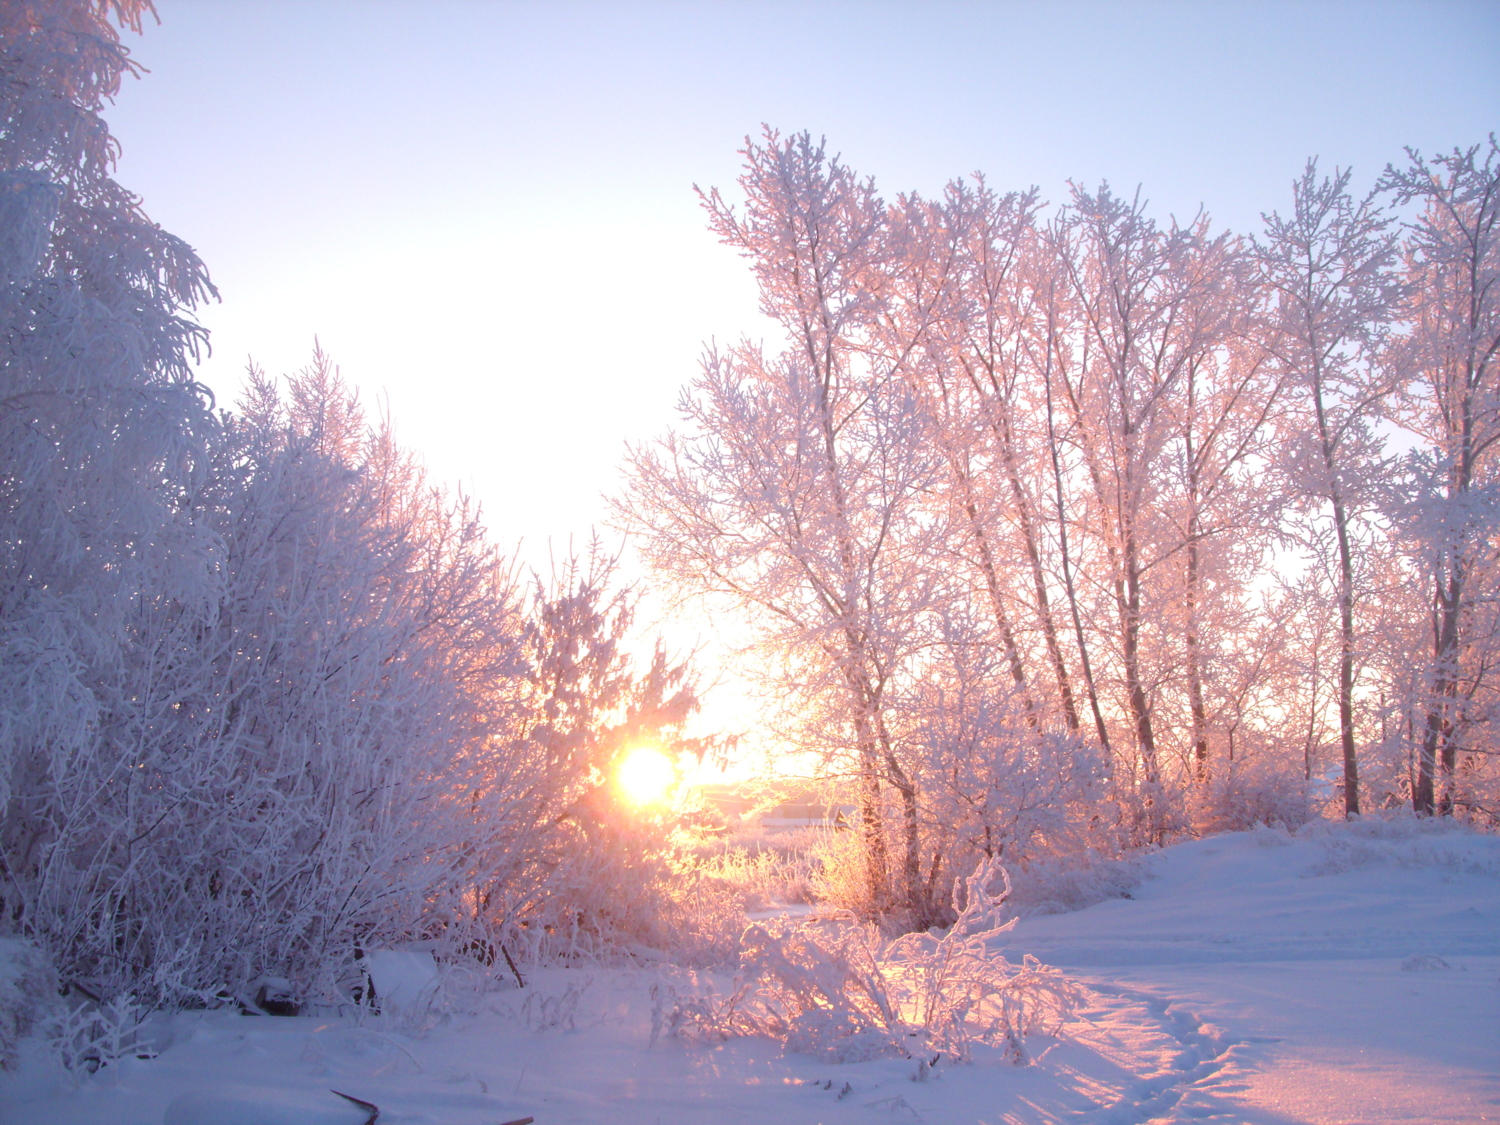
(371, 1106)
(512, 965)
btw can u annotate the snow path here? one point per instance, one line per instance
(1253, 979)
(1278, 963)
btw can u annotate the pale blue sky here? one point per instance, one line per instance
(485, 209)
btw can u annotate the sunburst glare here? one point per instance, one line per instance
(646, 776)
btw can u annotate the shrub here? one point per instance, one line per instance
(831, 987)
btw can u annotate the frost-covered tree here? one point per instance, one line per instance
(1450, 364)
(588, 871)
(866, 498)
(102, 447)
(1150, 309)
(963, 301)
(1329, 266)
(796, 489)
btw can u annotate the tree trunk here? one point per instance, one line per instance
(997, 602)
(1346, 598)
(1194, 655)
(1062, 542)
(1039, 582)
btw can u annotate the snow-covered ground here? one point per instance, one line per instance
(1342, 975)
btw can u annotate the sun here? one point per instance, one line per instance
(646, 775)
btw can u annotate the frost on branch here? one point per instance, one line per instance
(834, 988)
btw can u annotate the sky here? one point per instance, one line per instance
(485, 212)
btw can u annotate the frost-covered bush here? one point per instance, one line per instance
(703, 904)
(372, 736)
(839, 877)
(986, 785)
(768, 868)
(313, 764)
(1261, 790)
(86, 1035)
(654, 901)
(1401, 839)
(255, 676)
(833, 987)
(1064, 883)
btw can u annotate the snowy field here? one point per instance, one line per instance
(1344, 975)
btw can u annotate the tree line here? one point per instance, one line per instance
(1064, 524)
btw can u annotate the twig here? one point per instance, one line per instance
(512, 965)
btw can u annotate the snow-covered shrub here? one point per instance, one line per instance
(87, 1035)
(839, 876)
(543, 1011)
(28, 994)
(1401, 839)
(312, 768)
(1261, 790)
(960, 993)
(372, 736)
(990, 786)
(767, 868)
(666, 895)
(652, 900)
(833, 987)
(995, 786)
(703, 905)
(1064, 883)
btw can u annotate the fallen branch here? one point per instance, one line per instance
(371, 1107)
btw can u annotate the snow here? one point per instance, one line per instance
(257, 1105)
(400, 976)
(1343, 975)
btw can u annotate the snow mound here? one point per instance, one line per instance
(1063, 885)
(401, 977)
(1403, 842)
